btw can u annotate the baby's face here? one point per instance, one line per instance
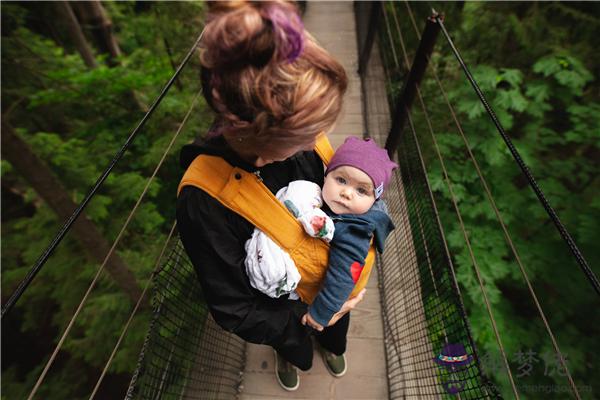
(348, 190)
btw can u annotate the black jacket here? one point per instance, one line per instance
(214, 239)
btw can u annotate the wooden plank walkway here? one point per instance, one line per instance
(333, 25)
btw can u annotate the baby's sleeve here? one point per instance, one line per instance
(347, 253)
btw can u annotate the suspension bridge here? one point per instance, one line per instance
(413, 312)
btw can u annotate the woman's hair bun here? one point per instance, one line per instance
(242, 33)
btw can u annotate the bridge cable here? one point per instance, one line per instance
(436, 213)
(155, 271)
(112, 249)
(454, 281)
(542, 198)
(439, 225)
(460, 220)
(392, 324)
(418, 213)
(496, 211)
(65, 228)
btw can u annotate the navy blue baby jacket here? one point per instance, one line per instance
(347, 252)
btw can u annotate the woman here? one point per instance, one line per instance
(274, 89)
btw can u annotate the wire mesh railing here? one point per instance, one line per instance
(185, 354)
(429, 346)
(423, 314)
(393, 51)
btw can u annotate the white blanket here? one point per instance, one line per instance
(269, 268)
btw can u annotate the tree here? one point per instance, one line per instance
(73, 119)
(26, 163)
(538, 68)
(66, 15)
(93, 15)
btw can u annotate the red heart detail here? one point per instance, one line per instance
(355, 270)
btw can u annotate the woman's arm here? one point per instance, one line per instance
(214, 239)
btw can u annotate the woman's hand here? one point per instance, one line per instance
(308, 320)
(346, 307)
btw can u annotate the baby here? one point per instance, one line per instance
(355, 180)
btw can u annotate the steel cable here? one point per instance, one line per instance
(31, 274)
(460, 220)
(393, 324)
(443, 240)
(155, 271)
(418, 213)
(435, 215)
(496, 210)
(112, 249)
(540, 195)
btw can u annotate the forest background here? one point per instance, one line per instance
(78, 77)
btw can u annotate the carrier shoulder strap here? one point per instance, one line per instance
(245, 194)
(324, 149)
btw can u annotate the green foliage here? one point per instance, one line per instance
(537, 65)
(567, 70)
(75, 119)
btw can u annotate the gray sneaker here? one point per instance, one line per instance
(286, 373)
(336, 365)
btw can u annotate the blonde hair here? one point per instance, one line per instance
(270, 82)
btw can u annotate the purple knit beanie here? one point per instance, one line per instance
(365, 155)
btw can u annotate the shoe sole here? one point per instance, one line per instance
(338, 375)
(289, 389)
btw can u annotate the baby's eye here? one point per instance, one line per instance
(362, 191)
(340, 180)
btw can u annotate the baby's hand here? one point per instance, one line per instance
(307, 319)
(317, 224)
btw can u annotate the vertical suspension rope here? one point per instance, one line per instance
(450, 264)
(65, 228)
(538, 192)
(389, 34)
(393, 324)
(418, 213)
(486, 387)
(112, 249)
(469, 248)
(461, 223)
(133, 312)
(497, 213)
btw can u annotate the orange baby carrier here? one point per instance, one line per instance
(246, 195)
